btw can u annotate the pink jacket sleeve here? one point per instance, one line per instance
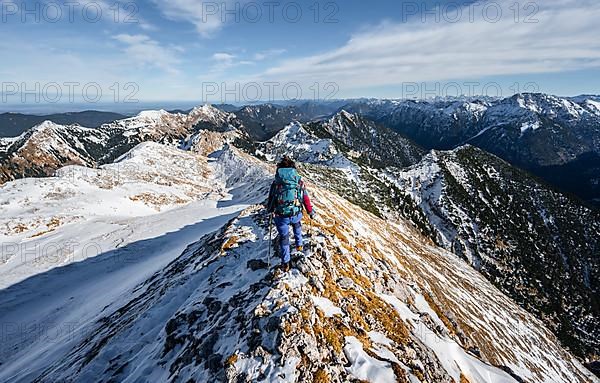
(306, 199)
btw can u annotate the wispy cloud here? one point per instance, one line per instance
(222, 58)
(223, 61)
(144, 51)
(208, 17)
(270, 53)
(565, 37)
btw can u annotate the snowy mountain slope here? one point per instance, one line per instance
(295, 141)
(212, 118)
(555, 138)
(101, 241)
(432, 124)
(47, 147)
(152, 125)
(82, 212)
(341, 141)
(538, 246)
(371, 190)
(445, 124)
(367, 143)
(376, 302)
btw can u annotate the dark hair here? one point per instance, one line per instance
(286, 162)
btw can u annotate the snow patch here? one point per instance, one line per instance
(530, 126)
(364, 366)
(594, 105)
(454, 359)
(152, 114)
(327, 306)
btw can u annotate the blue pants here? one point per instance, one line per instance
(283, 228)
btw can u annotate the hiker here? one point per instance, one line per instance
(287, 197)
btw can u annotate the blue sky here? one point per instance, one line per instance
(225, 51)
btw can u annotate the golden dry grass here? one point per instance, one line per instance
(51, 225)
(321, 376)
(156, 201)
(231, 359)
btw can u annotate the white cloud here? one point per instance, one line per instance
(564, 38)
(225, 61)
(223, 57)
(259, 56)
(145, 51)
(207, 16)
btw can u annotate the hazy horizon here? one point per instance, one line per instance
(135, 107)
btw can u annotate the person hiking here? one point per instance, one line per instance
(287, 198)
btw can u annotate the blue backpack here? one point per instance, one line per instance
(287, 192)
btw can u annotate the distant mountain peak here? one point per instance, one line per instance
(47, 124)
(206, 108)
(152, 114)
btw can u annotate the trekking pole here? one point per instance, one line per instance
(270, 239)
(310, 236)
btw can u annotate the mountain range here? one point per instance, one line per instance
(45, 148)
(535, 244)
(14, 124)
(187, 294)
(428, 265)
(556, 139)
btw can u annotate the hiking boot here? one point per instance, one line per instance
(299, 248)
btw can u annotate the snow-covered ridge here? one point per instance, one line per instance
(45, 128)
(48, 146)
(295, 141)
(374, 301)
(149, 180)
(534, 102)
(531, 106)
(208, 114)
(480, 207)
(594, 106)
(247, 179)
